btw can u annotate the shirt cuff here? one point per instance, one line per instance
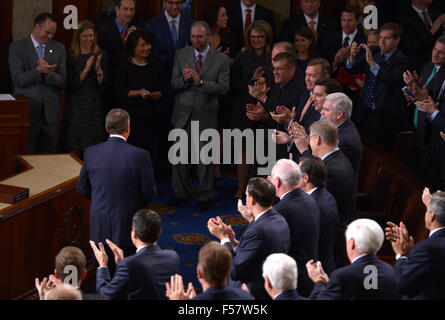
(102, 268)
(375, 70)
(434, 114)
(349, 64)
(224, 241)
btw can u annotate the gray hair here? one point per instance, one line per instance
(288, 47)
(367, 234)
(282, 272)
(202, 23)
(341, 103)
(66, 292)
(327, 131)
(288, 171)
(437, 205)
(117, 121)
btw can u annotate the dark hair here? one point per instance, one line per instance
(133, 39)
(117, 121)
(396, 29)
(215, 262)
(70, 256)
(41, 18)
(148, 225)
(316, 170)
(211, 17)
(307, 33)
(262, 191)
(119, 3)
(331, 85)
(352, 9)
(441, 39)
(290, 59)
(324, 64)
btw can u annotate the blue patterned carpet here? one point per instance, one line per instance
(185, 229)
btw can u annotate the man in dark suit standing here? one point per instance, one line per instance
(367, 278)
(311, 18)
(420, 267)
(422, 24)
(112, 34)
(383, 112)
(313, 182)
(201, 74)
(266, 233)
(280, 274)
(38, 70)
(302, 215)
(213, 271)
(118, 178)
(143, 275)
(242, 14)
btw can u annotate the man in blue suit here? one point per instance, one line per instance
(280, 274)
(420, 268)
(118, 178)
(141, 276)
(302, 215)
(267, 233)
(313, 182)
(366, 278)
(213, 271)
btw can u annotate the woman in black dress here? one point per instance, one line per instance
(250, 65)
(138, 89)
(305, 46)
(86, 78)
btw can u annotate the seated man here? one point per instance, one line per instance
(367, 278)
(280, 277)
(214, 263)
(420, 267)
(267, 233)
(141, 276)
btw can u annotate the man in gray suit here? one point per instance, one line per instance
(200, 75)
(38, 71)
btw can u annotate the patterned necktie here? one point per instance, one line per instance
(431, 77)
(124, 35)
(426, 20)
(369, 99)
(306, 107)
(248, 19)
(346, 42)
(199, 63)
(40, 50)
(174, 33)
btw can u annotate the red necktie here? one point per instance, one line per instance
(124, 35)
(248, 19)
(312, 27)
(199, 64)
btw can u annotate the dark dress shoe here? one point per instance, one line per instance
(203, 205)
(174, 202)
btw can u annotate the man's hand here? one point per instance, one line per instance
(353, 52)
(400, 240)
(259, 90)
(341, 56)
(299, 136)
(438, 24)
(217, 228)
(409, 99)
(256, 113)
(99, 64)
(43, 287)
(175, 289)
(410, 79)
(145, 94)
(442, 135)
(315, 272)
(245, 212)
(118, 253)
(283, 114)
(427, 106)
(195, 77)
(232, 237)
(421, 94)
(100, 254)
(280, 137)
(259, 72)
(187, 74)
(369, 57)
(44, 68)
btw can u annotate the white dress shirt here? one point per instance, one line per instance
(244, 13)
(309, 19)
(170, 19)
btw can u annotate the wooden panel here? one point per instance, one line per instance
(5, 39)
(330, 8)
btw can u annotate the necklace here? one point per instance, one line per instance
(138, 64)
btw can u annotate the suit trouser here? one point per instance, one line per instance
(181, 173)
(43, 137)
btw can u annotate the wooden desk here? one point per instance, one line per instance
(13, 132)
(34, 230)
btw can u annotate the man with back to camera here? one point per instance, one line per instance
(38, 70)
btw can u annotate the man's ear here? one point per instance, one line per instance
(56, 274)
(267, 284)
(198, 272)
(84, 274)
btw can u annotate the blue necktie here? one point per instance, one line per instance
(174, 33)
(40, 50)
(416, 111)
(369, 99)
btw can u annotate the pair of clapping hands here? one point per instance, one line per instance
(190, 75)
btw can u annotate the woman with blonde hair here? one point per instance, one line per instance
(86, 77)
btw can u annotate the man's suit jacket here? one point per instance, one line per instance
(141, 276)
(348, 283)
(236, 34)
(269, 234)
(417, 42)
(118, 178)
(328, 228)
(214, 293)
(303, 217)
(163, 47)
(421, 275)
(350, 144)
(194, 102)
(44, 94)
(289, 295)
(323, 28)
(334, 42)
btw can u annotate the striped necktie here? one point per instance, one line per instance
(199, 63)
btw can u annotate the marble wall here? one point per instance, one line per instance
(24, 13)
